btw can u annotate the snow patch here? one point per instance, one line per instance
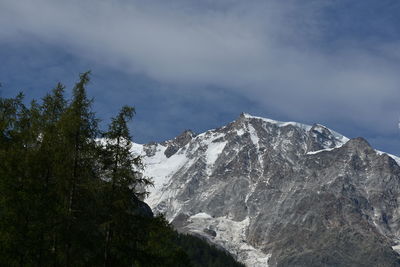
(201, 215)
(322, 150)
(340, 139)
(213, 151)
(137, 149)
(254, 136)
(160, 169)
(231, 235)
(396, 248)
(240, 132)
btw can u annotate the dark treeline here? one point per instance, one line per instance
(69, 192)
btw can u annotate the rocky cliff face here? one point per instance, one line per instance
(280, 194)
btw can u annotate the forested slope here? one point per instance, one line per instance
(68, 199)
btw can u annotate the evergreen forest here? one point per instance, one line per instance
(72, 194)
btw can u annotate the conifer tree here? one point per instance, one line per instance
(77, 170)
(21, 199)
(11, 183)
(121, 193)
(53, 107)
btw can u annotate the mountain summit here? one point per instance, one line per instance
(280, 193)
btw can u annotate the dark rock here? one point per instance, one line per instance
(178, 142)
(210, 232)
(320, 137)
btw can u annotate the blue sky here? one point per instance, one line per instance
(199, 64)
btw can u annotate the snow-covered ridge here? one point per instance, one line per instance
(195, 171)
(343, 139)
(279, 123)
(396, 158)
(340, 139)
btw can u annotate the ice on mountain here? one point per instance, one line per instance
(238, 166)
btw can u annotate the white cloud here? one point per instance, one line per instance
(269, 51)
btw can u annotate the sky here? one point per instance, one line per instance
(192, 64)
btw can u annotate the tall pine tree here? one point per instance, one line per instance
(77, 172)
(121, 195)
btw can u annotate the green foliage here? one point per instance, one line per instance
(202, 253)
(69, 198)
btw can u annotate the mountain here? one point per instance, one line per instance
(279, 193)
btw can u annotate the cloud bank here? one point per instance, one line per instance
(284, 55)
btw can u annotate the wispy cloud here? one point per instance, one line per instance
(272, 52)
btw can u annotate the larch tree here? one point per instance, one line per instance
(121, 193)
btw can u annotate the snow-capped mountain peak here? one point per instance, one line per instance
(255, 182)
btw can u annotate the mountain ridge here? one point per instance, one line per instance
(216, 184)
